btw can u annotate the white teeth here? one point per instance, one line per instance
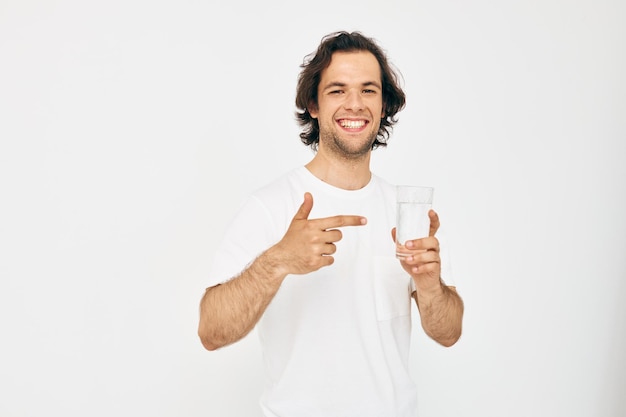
(352, 124)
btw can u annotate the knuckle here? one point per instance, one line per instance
(312, 264)
(333, 248)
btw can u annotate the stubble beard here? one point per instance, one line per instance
(343, 147)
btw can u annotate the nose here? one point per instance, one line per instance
(354, 101)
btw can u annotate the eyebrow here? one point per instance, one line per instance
(340, 84)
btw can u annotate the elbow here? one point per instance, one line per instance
(209, 346)
(208, 336)
(449, 342)
(446, 339)
(208, 342)
(213, 337)
(449, 339)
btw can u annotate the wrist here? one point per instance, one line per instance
(270, 267)
(433, 290)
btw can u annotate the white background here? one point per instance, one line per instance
(131, 130)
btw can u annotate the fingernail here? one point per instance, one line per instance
(363, 220)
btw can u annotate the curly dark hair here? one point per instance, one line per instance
(309, 79)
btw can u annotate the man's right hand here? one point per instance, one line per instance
(309, 244)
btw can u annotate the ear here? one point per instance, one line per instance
(312, 109)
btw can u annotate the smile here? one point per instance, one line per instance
(352, 124)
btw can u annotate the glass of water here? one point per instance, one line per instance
(412, 204)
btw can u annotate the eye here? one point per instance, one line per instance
(335, 92)
(368, 91)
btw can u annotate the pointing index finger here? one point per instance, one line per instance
(341, 221)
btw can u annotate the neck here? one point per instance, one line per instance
(348, 174)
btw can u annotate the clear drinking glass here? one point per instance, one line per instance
(413, 204)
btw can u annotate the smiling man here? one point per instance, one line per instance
(310, 258)
(350, 97)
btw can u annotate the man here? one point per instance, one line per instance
(311, 258)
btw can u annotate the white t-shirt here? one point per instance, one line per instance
(336, 341)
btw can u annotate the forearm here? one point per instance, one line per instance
(441, 313)
(230, 311)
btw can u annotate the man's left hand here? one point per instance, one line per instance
(420, 257)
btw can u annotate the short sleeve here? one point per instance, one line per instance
(248, 234)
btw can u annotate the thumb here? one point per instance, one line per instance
(393, 234)
(434, 222)
(305, 208)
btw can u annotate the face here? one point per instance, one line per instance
(350, 104)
